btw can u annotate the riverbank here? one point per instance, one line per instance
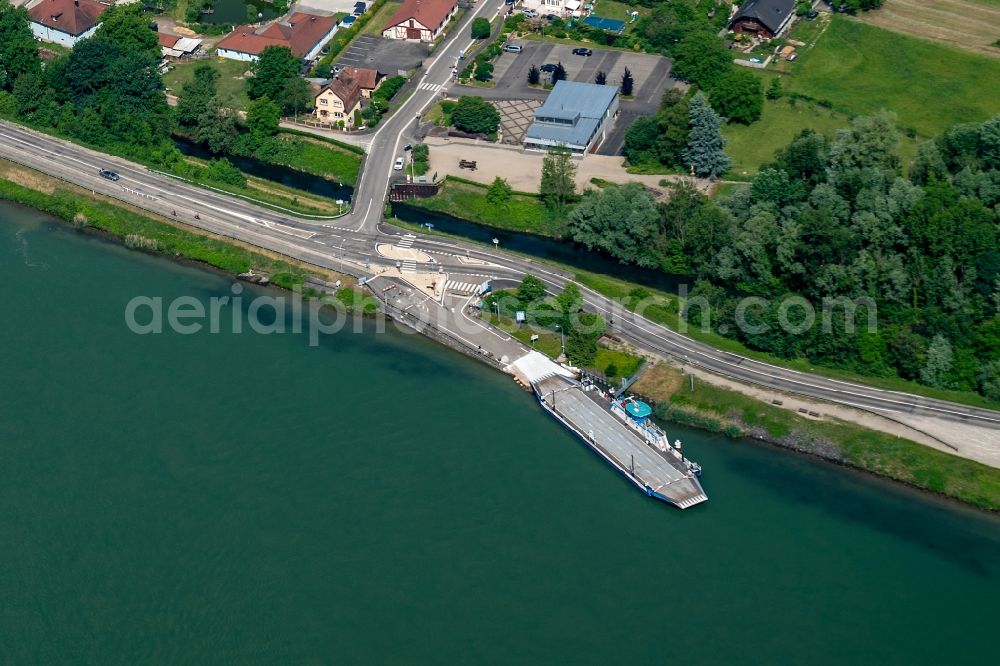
(706, 405)
(152, 234)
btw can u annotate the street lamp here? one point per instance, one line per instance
(562, 337)
(496, 243)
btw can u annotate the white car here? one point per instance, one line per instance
(398, 166)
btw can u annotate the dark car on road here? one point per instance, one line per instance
(582, 51)
(548, 68)
(110, 175)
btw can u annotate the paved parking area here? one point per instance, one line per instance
(515, 118)
(651, 75)
(389, 56)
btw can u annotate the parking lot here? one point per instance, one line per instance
(650, 73)
(389, 56)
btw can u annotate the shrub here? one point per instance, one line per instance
(480, 28)
(475, 115)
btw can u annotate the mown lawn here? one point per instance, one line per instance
(750, 146)
(377, 22)
(324, 159)
(468, 201)
(862, 69)
(231, 85)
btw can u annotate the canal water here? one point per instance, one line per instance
(247, 498)
(562, 250)
(273, 172)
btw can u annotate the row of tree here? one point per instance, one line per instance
(835, 222)
(683, 133)
(105, 92)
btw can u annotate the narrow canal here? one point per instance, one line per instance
(247, 498)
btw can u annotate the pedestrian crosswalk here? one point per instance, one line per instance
(430, 86)
(409, 266)
(461, 287)
(406, 241)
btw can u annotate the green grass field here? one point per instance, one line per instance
(468, 201)
(377, 22)
(753, 145)
(231, 84)
(862, 69)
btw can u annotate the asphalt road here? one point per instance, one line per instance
(348, 245)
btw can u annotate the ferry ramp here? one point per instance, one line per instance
(644, 465)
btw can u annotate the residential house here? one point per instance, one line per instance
(65, 22)
(305, 34)
(367, 79)
(763, 18)
(575, 115)
(420, 20)
(338, 101)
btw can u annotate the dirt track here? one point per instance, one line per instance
(964, 23)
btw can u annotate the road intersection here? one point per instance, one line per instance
(348, 245)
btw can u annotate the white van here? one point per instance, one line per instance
(513, 48)
(398, 166)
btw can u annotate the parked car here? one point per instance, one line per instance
(398, 166)
(530, 13)
(548, 68)
(407, 147)
(110, 175)
(360, 8)
(513, 48)
(812, 15)
(550, 17)
(508, 2)
(581, 51)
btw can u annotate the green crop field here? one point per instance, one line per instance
(862, 69)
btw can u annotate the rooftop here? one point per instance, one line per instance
(300, 34)
(429, 13)
(572, 113)
(74, 17)
(769, 13)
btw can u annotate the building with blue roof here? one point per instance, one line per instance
(575, 115)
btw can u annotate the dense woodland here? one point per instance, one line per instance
(833, 219)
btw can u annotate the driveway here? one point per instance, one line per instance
(389, 56)
(651, 75)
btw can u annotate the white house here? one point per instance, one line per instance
(304, 34)
(420, 20)
(65, 22)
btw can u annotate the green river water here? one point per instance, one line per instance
(249, 499)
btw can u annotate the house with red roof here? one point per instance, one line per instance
(420, 20)
(65, 22)
(339, 100)
(305, 34)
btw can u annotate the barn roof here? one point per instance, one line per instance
(772, 14)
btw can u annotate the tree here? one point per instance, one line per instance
(640, 141)
(18, 48)
(620, 220)
(475, 115)
(558, 186)
(737, 96)
(534, 76)
(701, 58)
(499, 192)
(627, 83)
(559, 73)
(217, 128)
(706, 148)
(196, 95)
(127, 28)
(263, 116)
(484, 71)
(940, 358)
(295, 96)
(601, 78)
(269, 72)
(531, 290)
(480, 28)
